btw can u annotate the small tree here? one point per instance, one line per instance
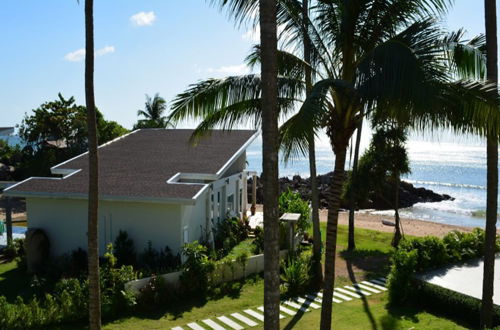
(381, 167)
(124, 249)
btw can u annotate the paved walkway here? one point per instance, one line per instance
(253, 317)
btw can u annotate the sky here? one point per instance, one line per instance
(142, 47)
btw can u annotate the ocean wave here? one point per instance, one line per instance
(446, 184)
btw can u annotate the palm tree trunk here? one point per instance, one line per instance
(492, 172)
(351, 244)
(93, 247)
(312, 155)
(397, 221)
(331, 235)
(269, 74)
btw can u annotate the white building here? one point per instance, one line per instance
(153, 184)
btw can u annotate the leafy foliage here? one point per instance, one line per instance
(420, 254)
(291, 202)
(153, 113)
(296, 274)
(228, 233)
(385, 160)
(124, 249)
(152, 261)
(196, 269)
(55, 132)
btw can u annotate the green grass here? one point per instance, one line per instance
(372, 314)
(13, 281)
(243, 246)
(358, 314)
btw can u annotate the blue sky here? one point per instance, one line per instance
(145, 46)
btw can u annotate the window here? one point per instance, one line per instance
(230, 202)
(186, 235)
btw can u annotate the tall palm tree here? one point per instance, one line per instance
(233, 100)
(384, 55)
(153, 113)
(269, 104)
(93, 198)
(318, 269)
(492, 171)
(365, 55)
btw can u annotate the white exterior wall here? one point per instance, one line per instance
(65, 222)
(194, 219)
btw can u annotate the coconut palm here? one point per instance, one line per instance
(492, 172)
(93, 247)
(388, 55)
(153, 113)
(365, 55)
(269, 105)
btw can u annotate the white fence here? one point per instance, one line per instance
(224, 272)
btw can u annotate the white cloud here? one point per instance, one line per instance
(79, 54)
(105, 50)
(230, 70)
(143, 18)
(75, 56)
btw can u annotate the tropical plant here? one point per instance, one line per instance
(492, 170)
(296, 274)
(124, 249)
(153, 113)
(93, 195)
(196, 269)
(291, 202)
(388, 56)
(380, 169)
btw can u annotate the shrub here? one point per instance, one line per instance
(452, 304)
(124, 249)
(114, 298)
(296, 274)
(229, 233)
(156, 292)
(291, 202)
(258, 242)
(152, 261)
(14, 249)
(421, 254)
(196, 269)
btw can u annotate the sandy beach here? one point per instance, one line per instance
(413, 227)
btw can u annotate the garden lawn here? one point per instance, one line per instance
(356, 314)
(13, 282)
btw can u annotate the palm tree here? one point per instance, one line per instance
(153, 113)
(318, 269)
(93, 238)
(269, 104)
(492, 172)
(386, 55)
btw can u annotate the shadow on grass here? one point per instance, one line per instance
(373, 263)
(366, 306)
(15, 282)
(182, 304)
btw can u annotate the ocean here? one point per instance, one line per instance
(444, 163)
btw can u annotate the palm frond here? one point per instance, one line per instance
(467, 57)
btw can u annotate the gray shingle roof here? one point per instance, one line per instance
(137, 166)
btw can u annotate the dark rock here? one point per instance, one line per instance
(409, 195)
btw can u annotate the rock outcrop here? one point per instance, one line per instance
(409, 194)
